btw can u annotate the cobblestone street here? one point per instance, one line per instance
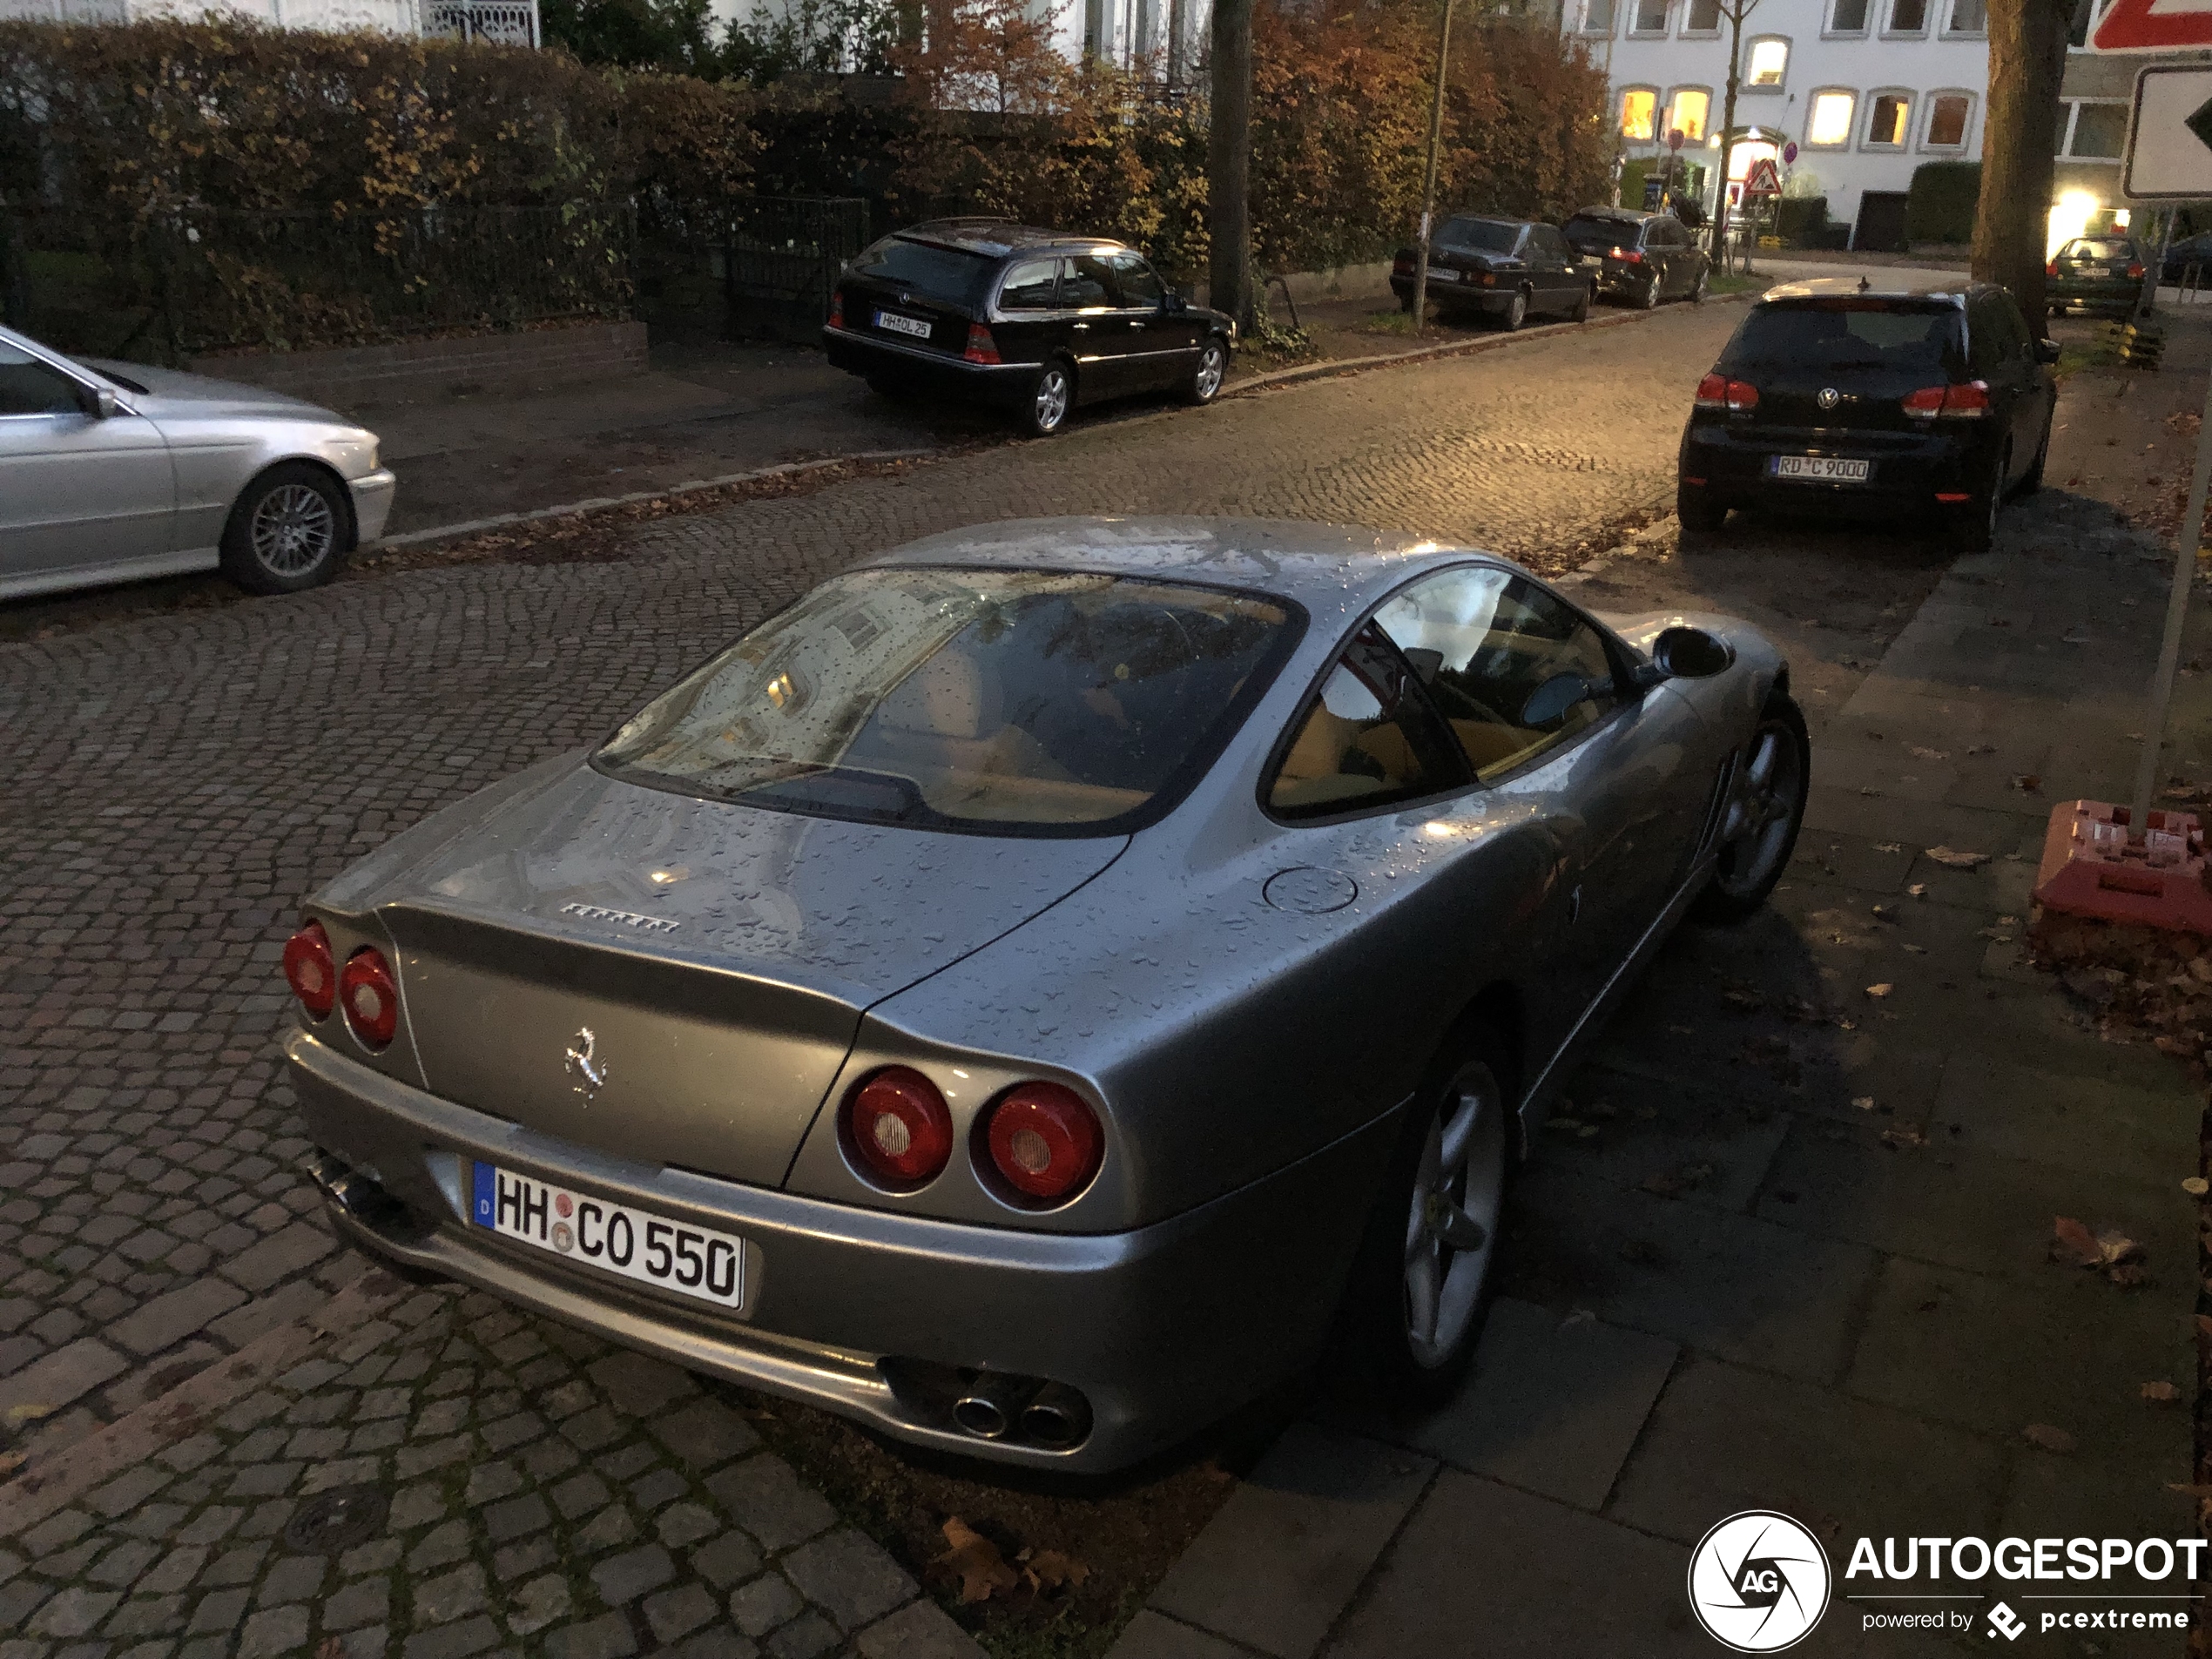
(179, 782)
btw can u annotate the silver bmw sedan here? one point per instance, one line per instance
(1034, 990)
(113, 472)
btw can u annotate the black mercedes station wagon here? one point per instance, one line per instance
(1860, 400)
(1033, 320)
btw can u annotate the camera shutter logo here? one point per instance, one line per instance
(1758, 1582)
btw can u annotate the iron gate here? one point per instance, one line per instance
(763, 267)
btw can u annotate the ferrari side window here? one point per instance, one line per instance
(1369, 738)
(1513, 670)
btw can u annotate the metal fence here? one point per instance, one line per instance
(763, 267)
(164, 287)
(503, 22)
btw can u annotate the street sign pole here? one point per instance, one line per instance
(1428, 187)
(2177, 610)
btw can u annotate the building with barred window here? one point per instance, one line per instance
(509, 22)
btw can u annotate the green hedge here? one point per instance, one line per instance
(1941, 205)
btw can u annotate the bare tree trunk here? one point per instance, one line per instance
(1428, 182)
(1229, 154)
(1736, 16)
(2026, 62)
(1178, 27)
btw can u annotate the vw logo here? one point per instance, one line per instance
(1829, 397)
(1758, 1582)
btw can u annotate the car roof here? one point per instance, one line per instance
(1493, 218)
(1623, 215)
(1330, 570)
(1881, 285)
(999, 236)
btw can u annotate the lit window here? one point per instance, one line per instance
(1689, 111)
(1639, 109)
(1887, 124)
(1908, 16)
(1831, 115)
(1969, 16)
(1947, 120)
(1769, 59)
(1848, 18)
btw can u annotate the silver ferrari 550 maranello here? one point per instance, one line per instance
(1037, 990)
(113, 472)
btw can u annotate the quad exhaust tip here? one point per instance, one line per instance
(1058, 1417)
(992, 1405)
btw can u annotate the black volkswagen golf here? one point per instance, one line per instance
(1035, 321)
(1852, 399)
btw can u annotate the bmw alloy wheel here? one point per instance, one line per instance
(1761, 823)
(1452, 1230)
(293, 530)
(1516, 311)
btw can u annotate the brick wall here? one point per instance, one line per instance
(356, 377)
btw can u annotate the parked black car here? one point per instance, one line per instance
(1507, 269)
(2094, 274)
(2184, 252)
(1640, 258)
(1862, 401)
(1035, 321)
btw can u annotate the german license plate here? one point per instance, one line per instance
(691, 1261)
(1435, 275)
(891, 322)
(1821, 470)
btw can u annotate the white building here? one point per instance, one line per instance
(1867, 90)
(512, 22)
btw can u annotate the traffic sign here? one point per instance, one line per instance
(1763, 180)
(2154, 25)
(1790, 155)
(2169, 135)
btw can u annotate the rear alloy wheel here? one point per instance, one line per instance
(1423, 1280)
(1212, 369)
(287, 531)
(1047, 409)
(1697, 293)
(1760, 829)
(1697, 510)
(1650, 301)
(1974, 529)
(1516, 311)
(1582, 312)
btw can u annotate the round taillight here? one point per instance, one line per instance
(310, 970)
(371, 996)
(897, 1126)
(1043, 1139)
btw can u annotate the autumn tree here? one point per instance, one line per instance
(2028, 41)
(1735, 11)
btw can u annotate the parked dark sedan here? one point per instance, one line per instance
(2189, 251)
(1849, 399)
(1640, 258)
(1507, 269)
(2094, 274)
(1035, 321)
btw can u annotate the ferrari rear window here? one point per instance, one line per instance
(1015, 702)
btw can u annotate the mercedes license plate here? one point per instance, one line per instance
(615, 1238)
(891, 322)
(1820, 469)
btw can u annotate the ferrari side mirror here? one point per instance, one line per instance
(1688, 653)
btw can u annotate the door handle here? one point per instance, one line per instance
(1136, 325)
(1083, 328)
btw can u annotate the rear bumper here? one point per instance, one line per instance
(856, 354)
(1908, 473)
(1163, 1329)
(2093, 296)
(371, 503)
(1471, 295)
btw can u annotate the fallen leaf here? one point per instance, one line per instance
(1918, 753)
(11, 1461)
(29, 1412)
(1918, 889)
(1880, 990)
(975, 1560)
(1864, 1102)
(2160, 1391)
(1904, 1135)
(2049, 1437)
(2195, 1186)
(2129, 1275)
(1916, 950)
(2079, 1241)
(331, 1648)
(1048, 1569)
(2028, 782)
(1952, 858)
(1889, 847)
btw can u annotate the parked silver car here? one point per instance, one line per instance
(1022, 994)
(111, 472)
